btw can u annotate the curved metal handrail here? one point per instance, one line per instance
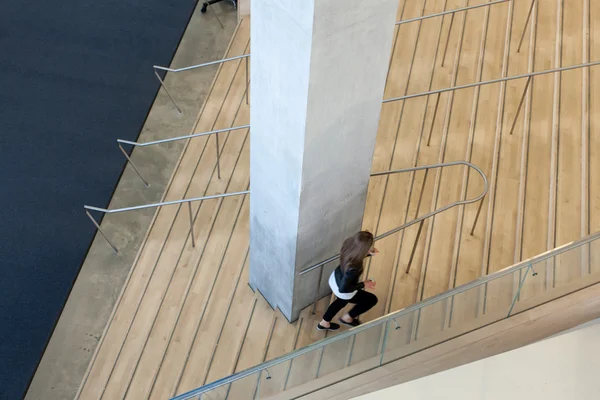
(389, 317)
(424, 217)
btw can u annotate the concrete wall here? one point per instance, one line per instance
(317, 79)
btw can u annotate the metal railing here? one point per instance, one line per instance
(154, 205)
(411, 313)
(173, 139)
(420, 219)
(176, 70)
(491, 81)
(440, 14)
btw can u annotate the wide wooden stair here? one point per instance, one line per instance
(186, 316)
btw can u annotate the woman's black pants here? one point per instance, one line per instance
(363, 301)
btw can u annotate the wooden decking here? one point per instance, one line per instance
(187, 316)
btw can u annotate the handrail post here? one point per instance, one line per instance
(437, 103)
(102, 232)
(216, 16)
(414, 249)
(191, 224)
(218, 157)
(412, 254)
(317, 291)
(526, 24)
(386, 326)
(257, 389)
(448, 40)
(247, 83)
(168, 94)
(520, 104)
(133, 165)
(477, 215)
(518, 290)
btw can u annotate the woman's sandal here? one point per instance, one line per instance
(355, 322)
(332, 327)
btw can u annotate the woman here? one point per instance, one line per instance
(344, 283)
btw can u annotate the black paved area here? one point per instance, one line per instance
(74, 76)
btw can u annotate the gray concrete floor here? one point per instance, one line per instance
(103, 273)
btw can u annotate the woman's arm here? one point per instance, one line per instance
(350, 281)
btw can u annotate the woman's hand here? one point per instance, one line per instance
(373, 251)
(369, 284)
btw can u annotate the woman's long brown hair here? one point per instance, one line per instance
(355, 249)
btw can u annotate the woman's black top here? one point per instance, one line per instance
(348, 281)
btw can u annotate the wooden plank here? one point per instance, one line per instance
(211, 328)
(499, 295)
(569, 180)
(254, 348)
(172, 256)
(468, 251)
(443, 227)
(536, 199)
(199, 295)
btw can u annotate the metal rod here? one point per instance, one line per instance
(257, 390)
(520, 105)
(437, 103)
(396, 323)
(168, 94)
(102, 232)
(173, 139)
(415, 221)
(412, 254)
(166, 203)
(526, 24)
(247, 83)
(385, 337)
(200, 65)
(477, 216)
(491, 3)
(351, 351)
(191, 225)
(317, 293)
(133, 166)
(514, 301)
(448, 40)
(216, 16)
(498, 80)
(218, 158)
(406, 311)
(414, 249)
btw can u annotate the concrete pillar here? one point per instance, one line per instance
(318, 73)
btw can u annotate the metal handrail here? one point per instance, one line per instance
(406, 21)
(508, 78)
(173, 139)
(166, 69)
(200, 65)
(389, 317)
(430, 214)
(154, 205)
